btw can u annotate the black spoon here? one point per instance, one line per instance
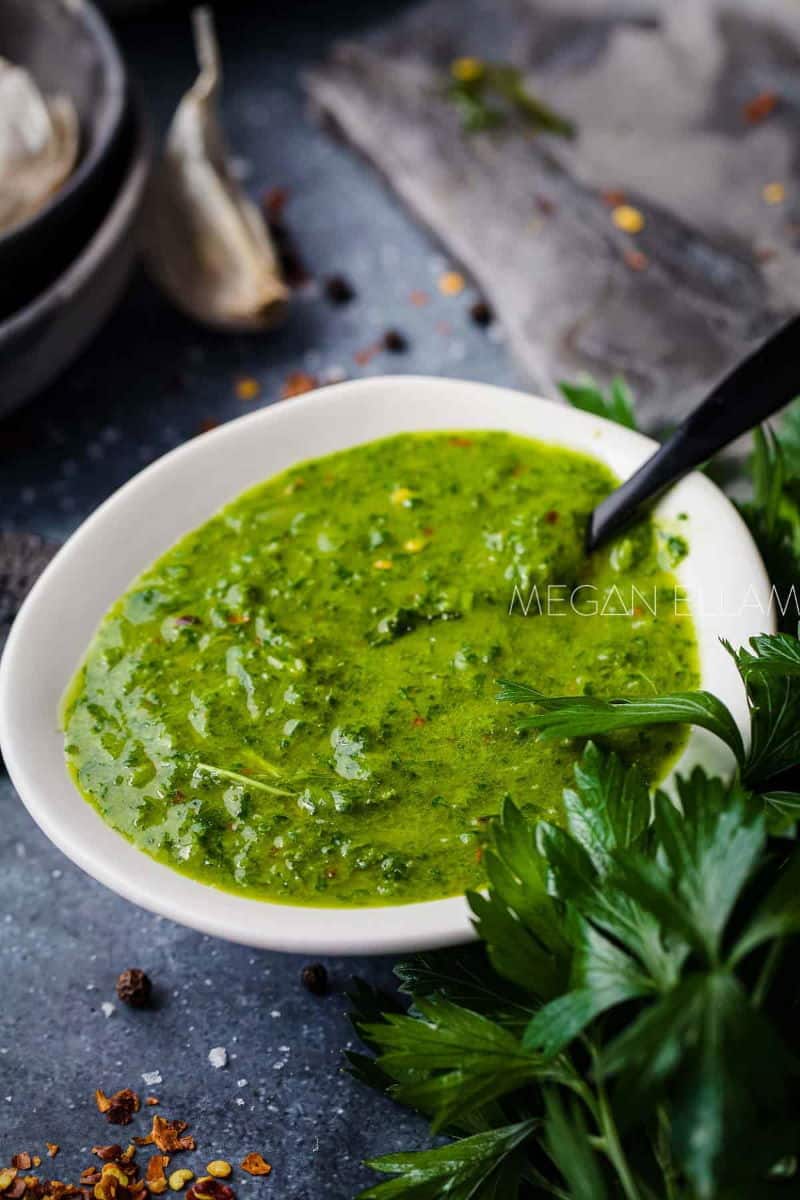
(761, 384)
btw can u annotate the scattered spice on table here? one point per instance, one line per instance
(296, 383)
(773, 193)
(366, 355)
(627, 218)
(314, 978)
(612, 197)
(545, 205)
(117, 1176)
(339, 290)
(134, 987)
(254, 1164)
(395, 342)
(451, 283)
(119, 1108)
(760, 107)
(481, 313)
(635, 259)
(419, 298)
(247, 388)
(292, 265)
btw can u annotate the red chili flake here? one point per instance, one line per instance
(167, 1136)
(210, 1189)
(635, 260)
(418, 722)
(207, 424)
(460, 441)
(254, 1164)
(237, 619)
(612, 197)
(22, 1161)
(107, 1153)
(120, 1107)
(545, 205)
(274, 202)
(296, 383)
(760, 107)
(187, 619)
(478, 853)
(52, 1149)
(362, 357)
(552, 517)
(419, 298)
(152, 1101)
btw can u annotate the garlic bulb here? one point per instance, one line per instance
(205, 242)
(39, 140)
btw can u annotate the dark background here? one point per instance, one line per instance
(149, 382)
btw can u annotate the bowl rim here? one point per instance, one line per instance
(125, 202)
(109, 125)
(118, 535)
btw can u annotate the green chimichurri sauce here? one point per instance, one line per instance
(296, 702)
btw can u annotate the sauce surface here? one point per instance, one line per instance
(296, 702)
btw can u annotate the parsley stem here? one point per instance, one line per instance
(613, 1146)
(235, 777)
(767, 972)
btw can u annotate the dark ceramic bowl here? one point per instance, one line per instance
(68, 48)
(43, 337)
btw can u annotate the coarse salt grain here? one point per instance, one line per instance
(107, 1008)
(218, 1057)
(151, 1078)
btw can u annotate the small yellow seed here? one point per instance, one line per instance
(401, 495)
(774, 193)
(467, 70)
(179, 1179)
(7, 1177)
(627, 218)
(219, 1168)
(113, 1169)
(382, 564)
(414, 545)
(451, 283)
(247, 388)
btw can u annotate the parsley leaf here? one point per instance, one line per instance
(615, 405)
(591, 716)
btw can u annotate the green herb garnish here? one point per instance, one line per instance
(627, 1028)
(489, 95)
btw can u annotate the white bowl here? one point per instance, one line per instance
(187, 486)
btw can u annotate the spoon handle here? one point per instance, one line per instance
(762, 383)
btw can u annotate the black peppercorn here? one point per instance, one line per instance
(315, 978)
(394, 342)
(339, 290)
(481, 313)
(134, 987)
